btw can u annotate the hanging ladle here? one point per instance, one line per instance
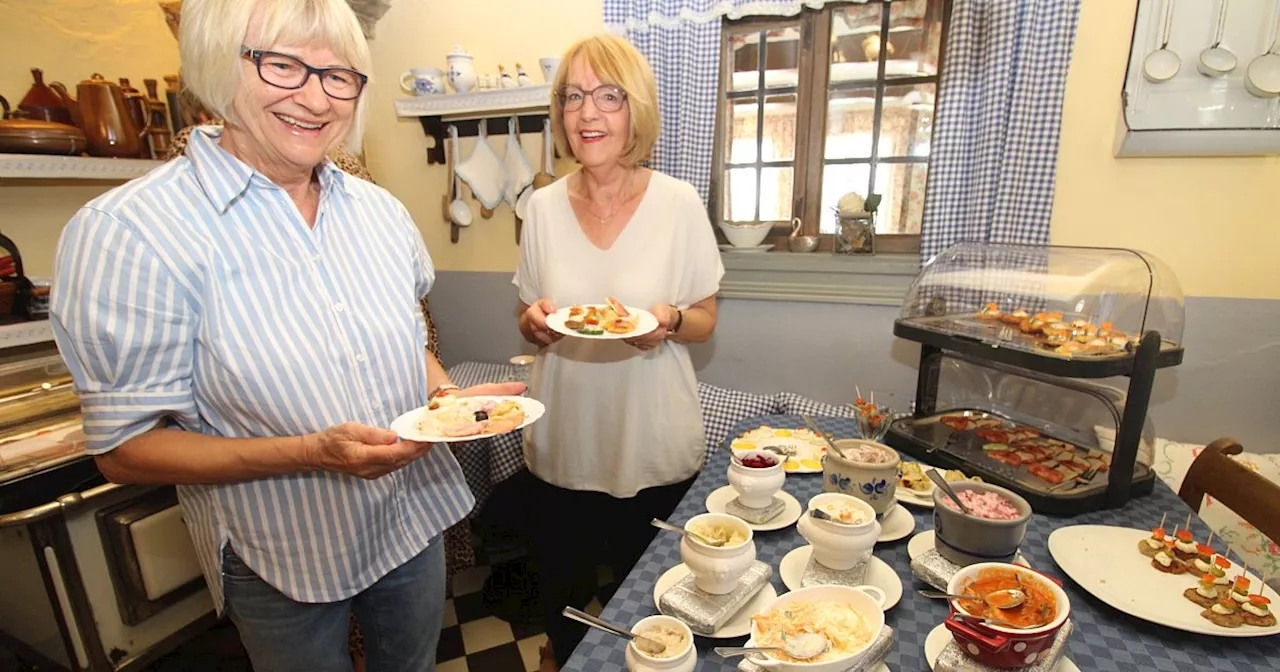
(1162, 64)
(1216, 60)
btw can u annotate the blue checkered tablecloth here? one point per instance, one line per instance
(1105, 640)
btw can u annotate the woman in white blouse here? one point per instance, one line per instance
(622, 439)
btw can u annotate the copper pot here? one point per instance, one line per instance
(42, 103)
(100, 110)
(34, 136)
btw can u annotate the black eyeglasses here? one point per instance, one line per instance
(286, 72)
(607, 98)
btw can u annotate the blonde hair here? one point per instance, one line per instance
(212, 33)
(614, 61)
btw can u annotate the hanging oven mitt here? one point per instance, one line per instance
(483, 172)
(519, 172)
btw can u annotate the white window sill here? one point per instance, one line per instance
(881, 279)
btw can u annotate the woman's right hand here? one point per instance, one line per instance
(360, 450)
(535, 320)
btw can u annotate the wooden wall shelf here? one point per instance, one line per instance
(46, 167)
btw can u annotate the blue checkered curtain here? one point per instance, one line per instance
(995, 146)
(681, 40)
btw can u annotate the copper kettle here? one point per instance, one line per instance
(21, 135)
(99, 109)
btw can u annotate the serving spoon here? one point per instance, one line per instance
(805, 646)
(997, 621)
(946, 487)
(663, 525)
(646, 645)
(1014, 597)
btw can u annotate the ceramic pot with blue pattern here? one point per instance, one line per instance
(864, 469)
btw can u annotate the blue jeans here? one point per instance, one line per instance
(400, 617)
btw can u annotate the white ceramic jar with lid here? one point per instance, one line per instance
(838, 546)
(462, 70)
(756, 486)
(717, 569)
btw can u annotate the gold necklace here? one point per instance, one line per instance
(616, 203)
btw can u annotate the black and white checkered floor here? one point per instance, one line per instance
(473, 640)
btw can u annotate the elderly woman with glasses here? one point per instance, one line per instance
(622, 438)
(243, 322)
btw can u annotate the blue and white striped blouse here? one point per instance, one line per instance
(198, 293)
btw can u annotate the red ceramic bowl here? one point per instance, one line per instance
(1001, 646)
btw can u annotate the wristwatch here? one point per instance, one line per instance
(675, 326)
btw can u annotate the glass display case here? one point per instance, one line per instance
(1070, 311)
(1051, 440)
(1007, 332)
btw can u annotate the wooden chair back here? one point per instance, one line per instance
(1252, 496)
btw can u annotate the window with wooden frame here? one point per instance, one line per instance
(798, 127)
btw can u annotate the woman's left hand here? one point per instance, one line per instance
(666, 315)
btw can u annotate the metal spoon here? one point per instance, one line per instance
(646, 645)
(813, 427)
(1015, 597)
(946, 487)
(662, 524)
(801, 647)
(997, 621)
(823, 515)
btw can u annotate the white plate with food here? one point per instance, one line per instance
(914, 486)
(803, 448)
(452, 418)
(602, 321)
(925, 541)
(879, 574)
(940, 637)
(717, 500)
(739, 625)
(1128, 581)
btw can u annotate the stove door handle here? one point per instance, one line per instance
(49, 509)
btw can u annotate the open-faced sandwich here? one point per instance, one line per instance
(1219, 572)
(1203, 562)
(1164, 561)
(1257, 612)
(1225, 613)
(1204, 594)
(1154, 543)
(1184, 546)
(612, 317)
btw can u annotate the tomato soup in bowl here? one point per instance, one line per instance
(1041, 616)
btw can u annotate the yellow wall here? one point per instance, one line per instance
(414, 34)
(1205, 217)
(71, 40)
(1212, 219)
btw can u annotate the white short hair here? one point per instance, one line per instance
(212, 33)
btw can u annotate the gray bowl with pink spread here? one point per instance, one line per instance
(993, 534)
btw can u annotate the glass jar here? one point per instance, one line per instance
(856, 233)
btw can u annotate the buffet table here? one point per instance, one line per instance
(1104, 639)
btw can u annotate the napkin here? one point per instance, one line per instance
(755, 516)
(705, 613)
(874, 655)
(817, 574)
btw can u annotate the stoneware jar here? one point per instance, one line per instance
(717, 569)
(680, 661)
(873, 482)
(756, 486)
(836, 545)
